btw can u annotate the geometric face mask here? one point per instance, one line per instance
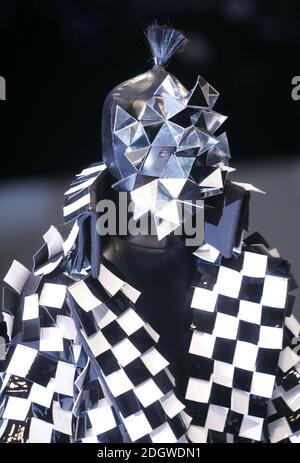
(163, 142)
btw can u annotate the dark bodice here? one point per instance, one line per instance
(163, 275)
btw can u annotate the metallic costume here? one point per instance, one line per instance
(81, 365)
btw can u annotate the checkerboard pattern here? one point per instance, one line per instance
(123, 346)
(284, 408)
(78, 364)
(238, 316)
(79, 197)
(82, 366)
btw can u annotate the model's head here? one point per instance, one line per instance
(159, 138)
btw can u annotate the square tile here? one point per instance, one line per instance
(224, 350)
(42, 395)
(233, 422)
(109, 280)
(216, 418)
(143, 338)
(154, 361)
(40, 432)
(197, 434)
(21, 361)
(271, 316)
(240, 401)
(103, 315)
(98, 343)
(200, 415)
(64, 379)
(251, 427)
(102, 419)
(52, 295)
(113, 333)
(67, 326)
(155, 415)
(262, 384)
(16, 409)
(228, 305)
(17, 276)
(171, 404)
(107, 362)
(275, 291)
(137, 372)
(248, 332)
(137, 425)
(202, 344)
(245, 355)
(223, 373)
(267, 360)
(31, 307)
(118, 382)
(250, 312)
(128, 403)
(51, 340)
(220, 395)
(258, 406)
(204, 321)
(203, 299)
(251, 289)
(287, 359)
(62, 419)
(242, 379)
(270, 337)
(279, 430)
(254, 265)
(125, 352)
(228, 282)
(148, 392)
(226, 326)
(198, 390)
(233, 263)
(130, 321)
(201, 367)
(82, 295)
(42, 370)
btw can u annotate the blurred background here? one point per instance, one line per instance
(61, 58)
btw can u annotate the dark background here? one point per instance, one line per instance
(61, 58)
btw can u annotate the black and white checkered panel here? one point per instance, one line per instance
(37, 392)
(135, 372)
(284, 408)
(57, 245)
(10, 304)
(44, 360)
(78, 197)
(238, 314)
(95, 419)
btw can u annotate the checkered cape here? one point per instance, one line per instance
(79, 364)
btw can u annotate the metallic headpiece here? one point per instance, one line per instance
(159, 138)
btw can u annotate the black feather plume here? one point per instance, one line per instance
(164, 41)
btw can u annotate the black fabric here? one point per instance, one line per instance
(226, 216)
(89, 243)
